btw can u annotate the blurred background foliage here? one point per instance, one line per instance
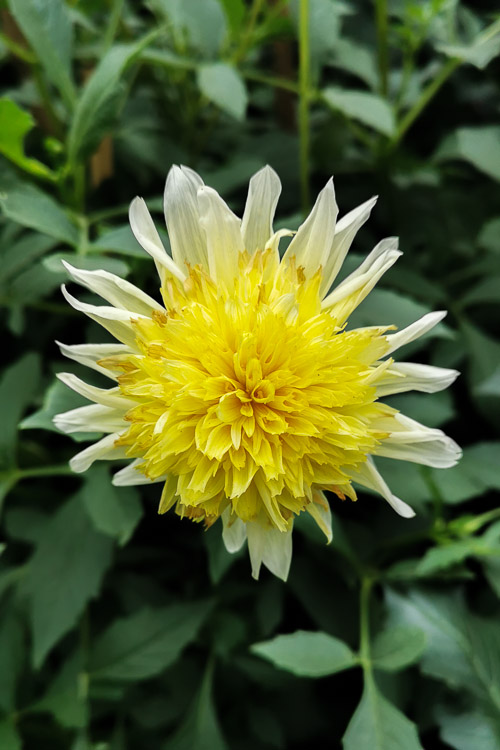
(120, 629)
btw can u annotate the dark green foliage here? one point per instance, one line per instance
(120, 629)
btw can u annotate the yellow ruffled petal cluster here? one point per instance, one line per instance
(250, 396)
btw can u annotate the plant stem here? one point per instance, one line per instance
(427, 94)
(246, 40)
(304, 86)
(113, 23)
(381, 18)
(364, 626)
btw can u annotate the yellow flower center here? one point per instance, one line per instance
(250, 396)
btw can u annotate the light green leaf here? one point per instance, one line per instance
(235, 13)
(147, 642)
(48, 29)
(119, 240)
(224, 87)
(432, 409)
(479, 54)
(200, 729)
(397, 647)
(21, 254)
(14, 124)
(9, 736)
(441, 558)
(385, 307)
(367, 108)
(200, 23)
(324, 25)
(17, 387)
(31, 207)
(65, 572)
(470, 730)
(378, 725)
(115, 512)
(307, 654)
(102, 97)
(480, 146)
(356, 59)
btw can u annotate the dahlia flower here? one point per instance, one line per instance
(243, 392)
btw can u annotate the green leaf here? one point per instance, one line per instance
(64, 697)
(235, 13)
(480, 146)
(9, 737)
(17, 387)
(441, 558)
(115, 512)
(432, 409)
(378, 725)
(224, 87)
(219, 559)
(53, 263)
(479, 54)
(119, 240)
(475, 474)
(470, 730)
(31, 207)
(489, 237)
(99, 104)
(307, 654)
(147, 642)
(48, 29)
(21, 255)
(367, 108)
(200, 23)
(324, 26)
(14, 124)
(200, 729)
(397, 647)
(356, 59)
(65, 572)
(385, 307)
(12, 654)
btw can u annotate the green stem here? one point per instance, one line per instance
(436, 496)
(427, 94)
(246, 39)
(304, 85)
(113, 23)
(274, 81)
(46, 98)
(57, 470)
(364, 627)
(382, 23)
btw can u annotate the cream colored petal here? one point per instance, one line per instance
(117, 322)
(113, 289)
(367, 475)
(319, 509)
(314, 241)
(144, 230)
(270, 547)
(257, 224)
(103, 450)
(223, 236)
(410, 376)
(345, 231)
(415, 330)
(409, 440)
(93, 418)
(90, 354)
(234, 532)
(353, 290)
(182, 216)
(130, 475)
(107, 397)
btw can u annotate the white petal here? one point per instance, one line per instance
(257, 223)
(314, 241)
(130, 475)
(144, 230)
(107, 397)
(223, 235)
(368, 476)
(90, 354)
(345, 232)
(103, 450)
(353, 290)
(409, 440)
(234, 532)
(411, 376)
(271, 547)
(119, 292)
(93, 418)
(187, 239)
(117, 322)
(320, 511)
(415, 330)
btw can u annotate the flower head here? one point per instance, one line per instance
(243, 392)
